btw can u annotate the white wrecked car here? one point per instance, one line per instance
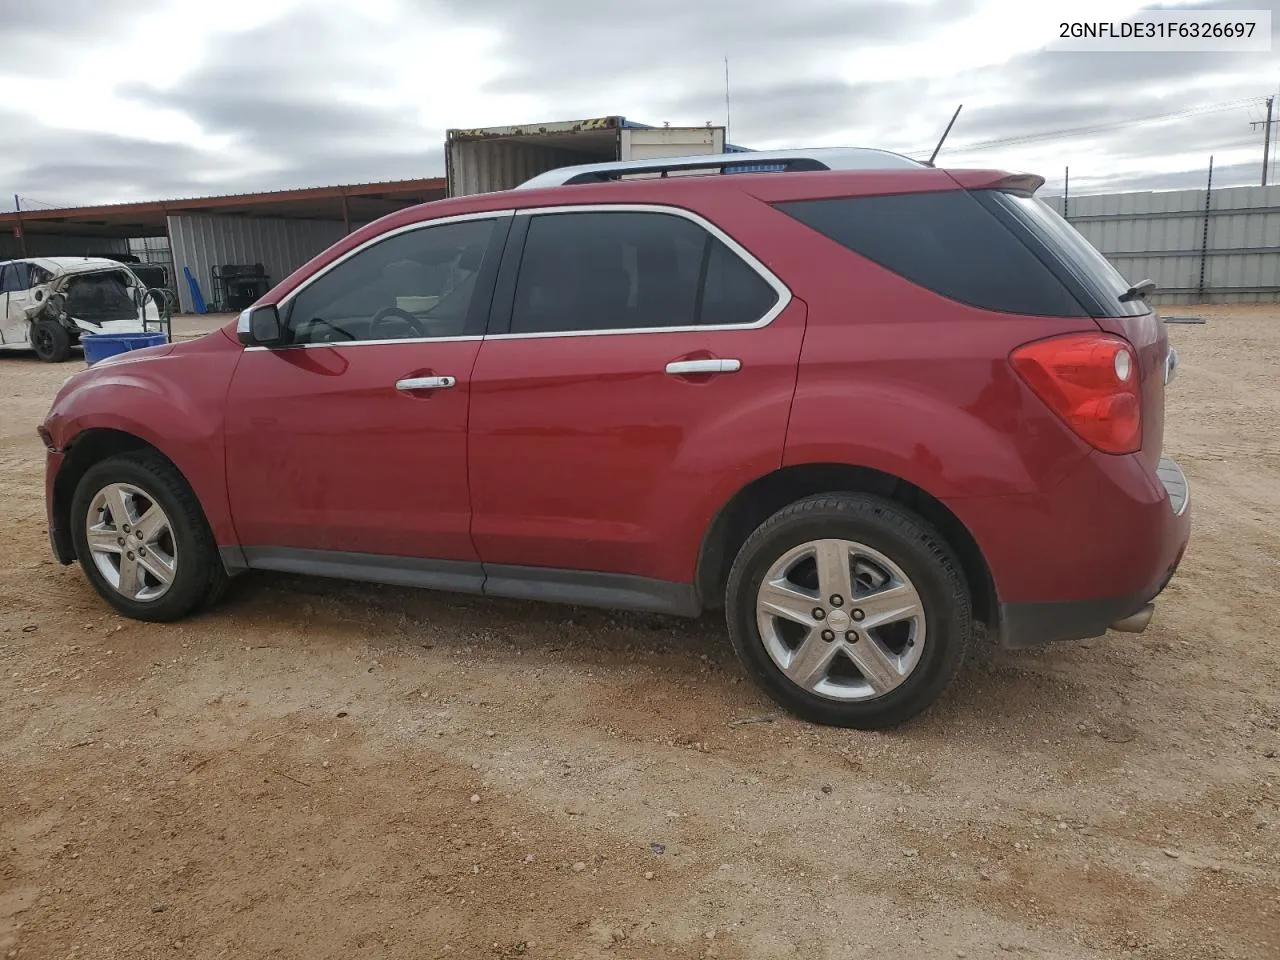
(46, 303)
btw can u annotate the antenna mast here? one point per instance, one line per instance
(726, 102)
(934, 155)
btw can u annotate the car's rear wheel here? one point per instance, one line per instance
(143, 540)
(849, 610)
(50, 341)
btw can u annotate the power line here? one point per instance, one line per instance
(1047, 135)
(43, 203)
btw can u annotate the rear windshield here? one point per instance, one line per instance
(1088, 267)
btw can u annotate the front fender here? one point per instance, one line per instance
(172, 399)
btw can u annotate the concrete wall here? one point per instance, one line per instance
(281, 246)
(1161, 235)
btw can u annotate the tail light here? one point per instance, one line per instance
(1090, 380)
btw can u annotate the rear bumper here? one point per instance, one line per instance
(1130, 534)
(1025, 625)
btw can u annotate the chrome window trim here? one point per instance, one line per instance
(407, 228)
(784, 293)
(781, 289)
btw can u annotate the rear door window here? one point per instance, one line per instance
(945, 241)
(631, 270)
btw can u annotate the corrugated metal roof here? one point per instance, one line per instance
(333, 190)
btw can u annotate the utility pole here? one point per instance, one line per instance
(22, 234)
(726, 102)
(1266, 138)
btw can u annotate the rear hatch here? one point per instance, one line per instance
(1106, 295)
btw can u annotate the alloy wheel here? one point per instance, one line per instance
(841, 620)
(131, 541)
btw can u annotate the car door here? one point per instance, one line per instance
(638, 371)
(14, 298)
(348, 446)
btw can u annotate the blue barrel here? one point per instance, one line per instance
(99, 346)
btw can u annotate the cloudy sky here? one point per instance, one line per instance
(116, 100)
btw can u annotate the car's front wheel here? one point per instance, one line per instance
(143, 540)
(849, 610)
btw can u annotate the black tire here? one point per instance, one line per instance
(199, 578)
(902, 537)
(50, 341)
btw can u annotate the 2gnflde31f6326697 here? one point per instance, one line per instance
(859, 404)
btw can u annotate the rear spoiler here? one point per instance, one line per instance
(997, 180)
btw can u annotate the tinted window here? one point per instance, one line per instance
(13, 277)
(411, 285)
(945, 241)
(1077, 255)
(631, 270)
(733, 292)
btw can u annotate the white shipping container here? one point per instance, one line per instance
(499, 158)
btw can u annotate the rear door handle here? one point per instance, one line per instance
(680, 368)
(425, 383)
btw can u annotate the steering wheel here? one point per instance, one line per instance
(386, 312)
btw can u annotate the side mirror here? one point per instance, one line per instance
(260, 327)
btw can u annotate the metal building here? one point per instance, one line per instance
(280, 231)
(1221, 249)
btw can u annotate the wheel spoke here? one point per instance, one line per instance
(876, 664)
(786, 600)
(151, 524)
(103, 541)
(811, 660)
(130, 576)
(118, 503)
(899, 601)
(158, 566)
(832, 558)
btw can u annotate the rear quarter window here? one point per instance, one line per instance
(945, 241)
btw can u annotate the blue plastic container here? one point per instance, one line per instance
(99, 346)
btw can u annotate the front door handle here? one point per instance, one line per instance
(681, 368)
(425, 383)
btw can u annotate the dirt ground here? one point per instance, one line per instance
(321, 770)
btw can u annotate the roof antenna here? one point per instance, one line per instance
(933, 156)
(726, 103)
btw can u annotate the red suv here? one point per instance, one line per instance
(859, 403)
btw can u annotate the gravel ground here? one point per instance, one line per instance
(322, 770)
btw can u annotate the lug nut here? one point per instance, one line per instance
(819, 613)
(138, 534)
(837, 601)
(130, 554)
(828, 635)
(142, 551)
(120, 541)
(126, 528)
(858, 614)
(851, 636)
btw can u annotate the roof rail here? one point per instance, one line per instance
(817, 158)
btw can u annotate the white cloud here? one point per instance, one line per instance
(122, 99)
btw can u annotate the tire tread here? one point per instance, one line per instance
(211, 580)
(896, 519)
